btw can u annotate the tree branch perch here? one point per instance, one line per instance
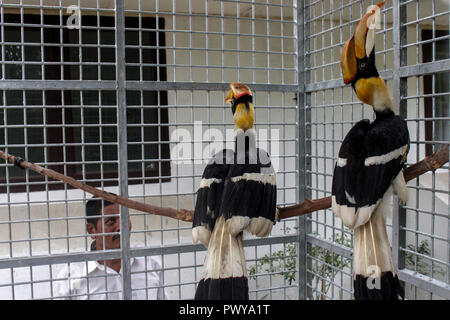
(430, 163)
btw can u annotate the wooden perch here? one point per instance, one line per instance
(430, 163)
(184, 215)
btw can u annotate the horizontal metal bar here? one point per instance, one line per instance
(213, 16)
(434, 16)
(180, 48)
(135, 252)
(406, 2)
(58, 259)
(218, 33)
(426, 235)
(340, 287)
(331, 246)
(426, 283)
(337, 83)
(193, 248)
(407, 71)
(178, 106)
(430, 95)
(427, 41)
(207, 86)
(422, 211)
(237, 2)
(198, 66)
(323, 262)
(134, 85)
(339, 45)
(324, 85)
(424, 256)
(57, 85)
(53, 7)
(67, 45)
(425, 68)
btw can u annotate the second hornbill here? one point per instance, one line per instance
(237, 192)
(370, 168)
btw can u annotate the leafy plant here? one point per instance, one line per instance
(284, 262)
(419, 263)
(326, 264)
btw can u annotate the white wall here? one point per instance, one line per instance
(185, 107)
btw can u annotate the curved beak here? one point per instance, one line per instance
(229, 97)
(361, 44)
(348, 61)
(237, 90)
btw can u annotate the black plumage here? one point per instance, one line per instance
(390, 288)
(209, 195)
(369, 169)
(358, 189)
(232, 191)
(222, 289)
(238, 191)
(357, 184)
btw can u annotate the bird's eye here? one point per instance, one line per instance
(362, 65)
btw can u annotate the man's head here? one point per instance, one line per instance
(107, 221)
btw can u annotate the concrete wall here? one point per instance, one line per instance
(48, 224)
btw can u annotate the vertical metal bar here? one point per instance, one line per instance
(122, 147)
(307, 145)
(448, 229)
(417, 183)
(433, 108)
(400, 90)
(304, 225)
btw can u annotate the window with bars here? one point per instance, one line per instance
(437, 88)
(75, 131)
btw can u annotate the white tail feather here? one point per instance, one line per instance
(225, 257)
(237, 224)
(201, 234)
(260, 227)
(400, 187)
(372, 250)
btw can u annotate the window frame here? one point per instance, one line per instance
(54, 115)
(427, 56)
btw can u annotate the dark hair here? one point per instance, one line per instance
(94, 207)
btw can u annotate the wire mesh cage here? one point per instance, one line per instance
(128, 96)
(411, 52)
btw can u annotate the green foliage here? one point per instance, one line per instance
(282, 261)
(419, 263)
(325, 264)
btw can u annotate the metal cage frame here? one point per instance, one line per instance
(306, 110)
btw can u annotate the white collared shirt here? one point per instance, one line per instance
(90, 281)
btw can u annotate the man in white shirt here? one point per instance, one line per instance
(101, 280)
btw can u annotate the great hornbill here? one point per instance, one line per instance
(370, 168)
(237, 192)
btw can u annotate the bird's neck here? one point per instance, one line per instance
(374, 92)
(244, 141)
(382, 103)
(244, 116)
(381, 115)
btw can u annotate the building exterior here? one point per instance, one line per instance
(129, 97)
